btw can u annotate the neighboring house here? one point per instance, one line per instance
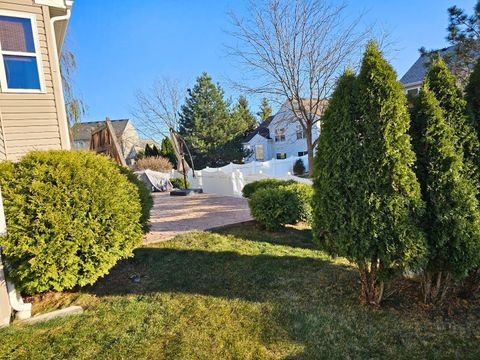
(127, 137)
(413, 79)
(280, 136)
(32, 107)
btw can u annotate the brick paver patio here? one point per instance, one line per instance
(173, 215)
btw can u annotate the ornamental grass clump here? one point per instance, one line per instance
(155, 163)
(71, 216)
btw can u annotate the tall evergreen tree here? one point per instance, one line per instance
(452, 221)
(148, 151)
(167, 151)
(335, 163)
(472, 96)
(213, 135)
(265, 110)
(243, 116)
(388, 194)
(442, 83)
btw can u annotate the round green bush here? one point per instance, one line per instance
(71, 216)
(249, 189)
(145, 197)
(299, 167)
(304, 192)
(179, 183)
(275, 207)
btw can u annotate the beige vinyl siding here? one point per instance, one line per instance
(34, 121)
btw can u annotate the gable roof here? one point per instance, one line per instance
(262, 130)
(83, 130)
(418, 70)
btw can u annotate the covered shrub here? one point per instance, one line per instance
(274, 207)
(299, 167)
(155, 163)
(179, 183)
(145, 197)
(304, 192)
(70, 217)
(251, 188)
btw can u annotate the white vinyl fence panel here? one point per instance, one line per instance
(230, 180)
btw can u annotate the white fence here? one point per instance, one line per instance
(230, 180)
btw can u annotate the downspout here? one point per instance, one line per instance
(22, 311)
(56, 56)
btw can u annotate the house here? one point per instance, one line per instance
(127, 137)
(413, 79)
(32, 108)
(280, 136)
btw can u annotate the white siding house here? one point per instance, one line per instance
(278, 137)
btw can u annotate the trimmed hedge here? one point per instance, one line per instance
(249, 189)
(274, 207)
(178, 183)
(71, 217)
(145, 197)
(299, 167)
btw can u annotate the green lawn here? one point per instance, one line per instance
(239, 293)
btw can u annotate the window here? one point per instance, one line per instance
(19, 53)
(279, 135)
(302, 153)
(281, 156)
(411, 92)
(300, 132)
(258, 152)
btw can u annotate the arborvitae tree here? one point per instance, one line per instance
(335, 164)
(472, 95)
(155, 151)
(388, 203)
(451, 221)
(212, 134)
(167, 151)
(442, 83)
(243, 116)
(265, 110)
(148, 151)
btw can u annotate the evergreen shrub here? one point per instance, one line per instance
(299, 167)
(71, 216)
(179, 183)
(249, 189)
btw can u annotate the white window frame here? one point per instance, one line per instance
(281, 156)
(300, 131)
(37, 54)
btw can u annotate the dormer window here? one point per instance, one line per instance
(20, 68)
(279, 135)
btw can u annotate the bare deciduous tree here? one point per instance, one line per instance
(157, 109)
(295, 50)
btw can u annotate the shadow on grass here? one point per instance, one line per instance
(294, 237)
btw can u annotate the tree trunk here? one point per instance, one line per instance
(308, 133)
(435, 286)
(372, 289)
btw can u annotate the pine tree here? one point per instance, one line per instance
(472, 96)
(213, 136)
(243, 116)
(442, 83)
(452, 221)
(155, 151)
(168, 152)
(388, 199)
(265, 110)
(334, 166)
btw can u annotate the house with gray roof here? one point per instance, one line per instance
(281, 136)
(413, 79)
(126, 134)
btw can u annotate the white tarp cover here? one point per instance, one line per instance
(154, 180)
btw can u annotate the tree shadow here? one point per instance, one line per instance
(293, 284)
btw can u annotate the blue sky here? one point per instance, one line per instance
(122, 46)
